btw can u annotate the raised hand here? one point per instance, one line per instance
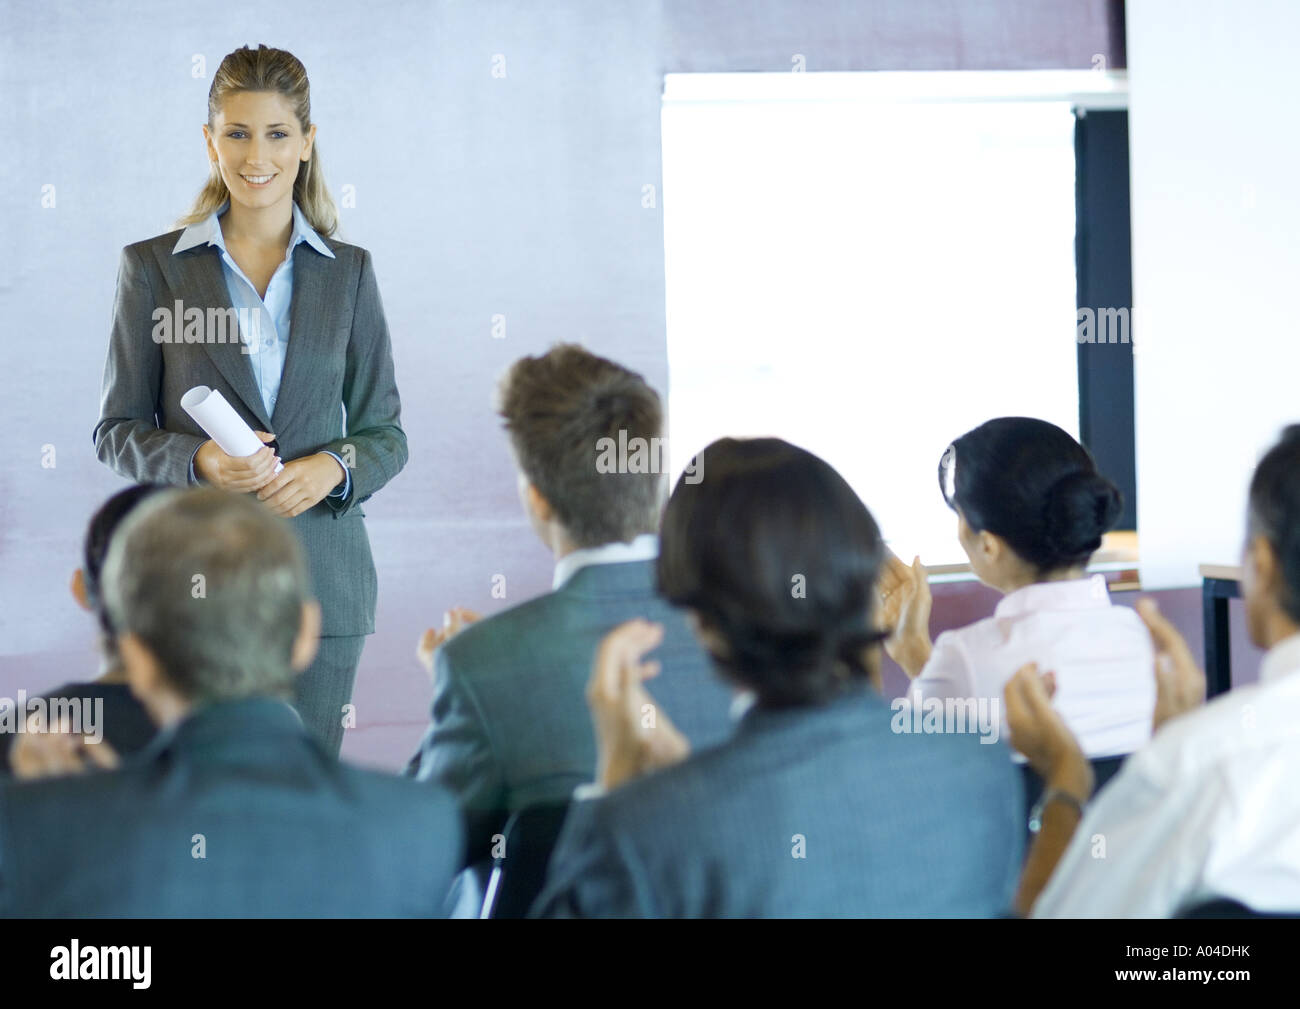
(633, 734)
(1180, 683)
(454, 621)
(904, 602)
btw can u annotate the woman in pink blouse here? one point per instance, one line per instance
(1031, 510)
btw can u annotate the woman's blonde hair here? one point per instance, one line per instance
(266, 69)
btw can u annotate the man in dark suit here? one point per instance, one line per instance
(234, 810)
(510, 721)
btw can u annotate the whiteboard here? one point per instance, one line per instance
(867, 278)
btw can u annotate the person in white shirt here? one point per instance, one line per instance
(1031, 510)
(1209, 809)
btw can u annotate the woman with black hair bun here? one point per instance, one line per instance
(1031, 511)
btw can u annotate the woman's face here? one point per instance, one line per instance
(259, 147)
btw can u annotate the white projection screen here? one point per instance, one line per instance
(868, 265)
(1216, 261)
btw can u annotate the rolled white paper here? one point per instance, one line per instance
(220, 422)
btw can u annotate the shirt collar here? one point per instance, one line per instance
(208, 232)
(644, 548)
(1075, 594)
(1282, 658)
(238, 720)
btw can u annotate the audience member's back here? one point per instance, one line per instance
(806, 813)
(526, 670)
(238, 814)
(510, 726)
(233, 810)
(818, 805)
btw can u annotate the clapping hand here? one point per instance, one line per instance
(454, 621)
(633, 734)
(1180, 683)
(1038, 731)
(58, 752)
(903, 601)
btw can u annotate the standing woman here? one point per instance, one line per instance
(311, 369)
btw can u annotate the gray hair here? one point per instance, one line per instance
(213, 584)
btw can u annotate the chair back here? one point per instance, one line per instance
(518, 875)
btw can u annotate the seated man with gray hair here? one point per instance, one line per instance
(234, 810)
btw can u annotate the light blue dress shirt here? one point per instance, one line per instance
(268, 343)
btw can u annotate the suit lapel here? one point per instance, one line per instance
(312, 317)
(205, 269)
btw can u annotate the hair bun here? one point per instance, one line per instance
(1081, 507)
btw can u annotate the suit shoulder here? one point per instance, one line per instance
(58, 793)
(381, 786)
(346, 252)
(425, 803)
(640, 805)
(150, 248)
(502, 630)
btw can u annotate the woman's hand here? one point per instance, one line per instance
(903, 602)
(633, 734)
(1039, 732)
(301, 484)
(240, 474)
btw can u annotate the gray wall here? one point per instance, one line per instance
(478, 196)
(701, 36)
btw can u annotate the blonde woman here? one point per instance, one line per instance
(254, 298)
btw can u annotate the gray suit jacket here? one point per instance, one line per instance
(511, 726)
(888, 825)
(339, 358)
(286, 831)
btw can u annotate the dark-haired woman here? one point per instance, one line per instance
(253, 298)
(815, 806)
(1031, 511)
